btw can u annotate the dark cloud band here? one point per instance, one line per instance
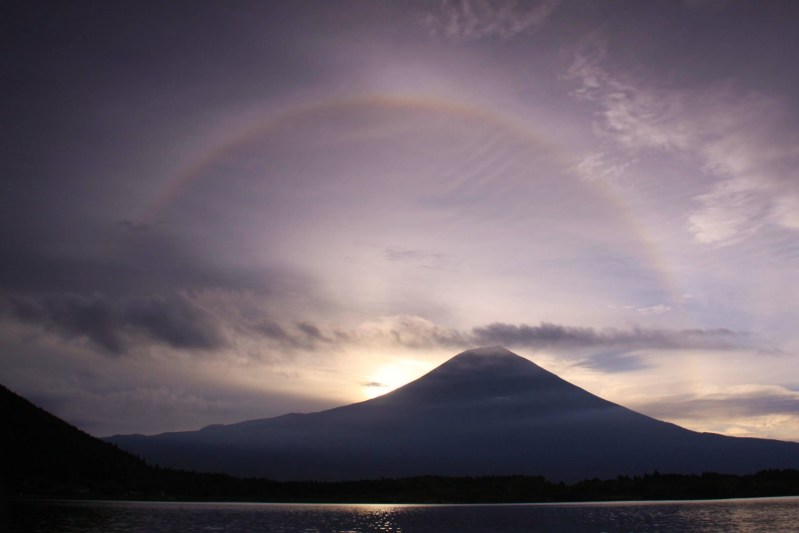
(117, 325)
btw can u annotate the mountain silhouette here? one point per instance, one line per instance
(486, 411)
(42, 454)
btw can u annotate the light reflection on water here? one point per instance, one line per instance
(746, 516)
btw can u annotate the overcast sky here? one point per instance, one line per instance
(216, 211)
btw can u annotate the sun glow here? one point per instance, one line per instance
(393, 375)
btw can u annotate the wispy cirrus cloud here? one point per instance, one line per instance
(654, 310)
(739, 138)
(475, 19)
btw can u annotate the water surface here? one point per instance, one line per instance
(749, 516)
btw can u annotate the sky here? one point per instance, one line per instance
(219, 211)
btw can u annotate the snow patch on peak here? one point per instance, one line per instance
(488, 360)
(488, 351)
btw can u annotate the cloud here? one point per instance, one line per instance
(741, 140)
(298, 336)
(741, 410)
(786, 211)
(273, 330)
(121, 257)
(615, 362)
(730, 211)
(115, 325)
(418, 333)
(424, 258)
(547, 335)
(703, 4)
(741, 401)
(654, 310)
(409, 332)
(476, 19)
(603, 166)
(242, 325)
(144, 404)
(604, 349)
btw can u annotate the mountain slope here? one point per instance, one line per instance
(42, 454)
(484, 412)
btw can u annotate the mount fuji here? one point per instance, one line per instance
(486, 411)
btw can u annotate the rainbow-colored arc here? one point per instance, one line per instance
(179, 182)
(272, 124)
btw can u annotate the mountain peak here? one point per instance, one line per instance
(488, 360)
(487, 351)
(475, 375)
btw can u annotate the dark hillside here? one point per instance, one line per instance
(43, 454)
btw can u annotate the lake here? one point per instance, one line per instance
(746, 515)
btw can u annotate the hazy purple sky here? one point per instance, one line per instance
(215, 211)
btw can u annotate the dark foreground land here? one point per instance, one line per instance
(188, 486)
(43, 456)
